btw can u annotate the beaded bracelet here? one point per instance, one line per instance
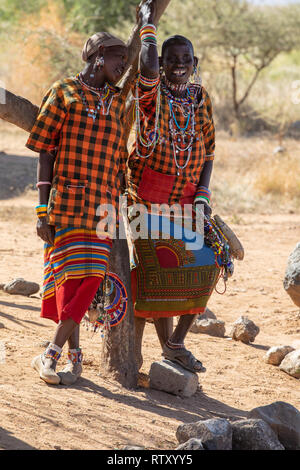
(41, 210)
(148, 34)
(202, 195)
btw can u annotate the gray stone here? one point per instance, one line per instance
(172, 378)
(291, 364)
(254, 434)
(133, 447)
(291, 280)
(244, 330)
(191, 444)
(21, 287)
(284, 419)
(215, 433)
(2, 325)
(210, 327)
(207, 314)
(276, 354)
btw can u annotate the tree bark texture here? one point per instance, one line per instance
(119, 355)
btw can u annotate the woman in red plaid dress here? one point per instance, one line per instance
(170, 163)
(78, 134)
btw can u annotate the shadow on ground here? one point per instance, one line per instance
(199, 406)
(9, 442)
(17, 173)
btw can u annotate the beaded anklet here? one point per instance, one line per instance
(53, 352)
(75, 355)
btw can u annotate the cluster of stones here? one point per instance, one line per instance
(243, 329)
(286, 357)
(271, 427)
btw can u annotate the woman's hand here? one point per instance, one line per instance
(45, 231)
(202, 206)
(146, 12)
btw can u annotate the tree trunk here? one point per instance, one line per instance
(119, 355)
(17, 110)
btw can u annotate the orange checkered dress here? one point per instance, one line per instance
(155, 179)
(167, 278)
(89, 154)
(88, 151)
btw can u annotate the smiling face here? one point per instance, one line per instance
(115, 59)
(178, 62)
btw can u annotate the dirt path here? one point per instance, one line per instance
(97, 413)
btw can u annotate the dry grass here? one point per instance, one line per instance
(249, 177)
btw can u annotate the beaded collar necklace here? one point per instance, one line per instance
(174, 86)
(102, 92)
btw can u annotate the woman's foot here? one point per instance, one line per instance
(73, 370)
(45, 364)
(180, 355)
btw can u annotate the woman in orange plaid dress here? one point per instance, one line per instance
(170, 163)
(78, 134)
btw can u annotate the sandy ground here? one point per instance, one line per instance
(97, 413)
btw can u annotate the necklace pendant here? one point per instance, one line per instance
(178, 173)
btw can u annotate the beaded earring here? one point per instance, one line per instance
(197, 76)
(99, 62)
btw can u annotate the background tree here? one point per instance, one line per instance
(236, 41)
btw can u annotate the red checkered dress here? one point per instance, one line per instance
(155, 179)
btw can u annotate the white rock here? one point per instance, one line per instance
(276, 354)
(244, 330)
(291, 364)
(210, 327)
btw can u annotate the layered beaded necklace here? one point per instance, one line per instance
(182, 137)
(156, 132)
(102, 92)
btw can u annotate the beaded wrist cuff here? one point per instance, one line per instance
(202, 195)
(148, 34)
(41, 210)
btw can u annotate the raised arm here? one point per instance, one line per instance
(149, 62)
